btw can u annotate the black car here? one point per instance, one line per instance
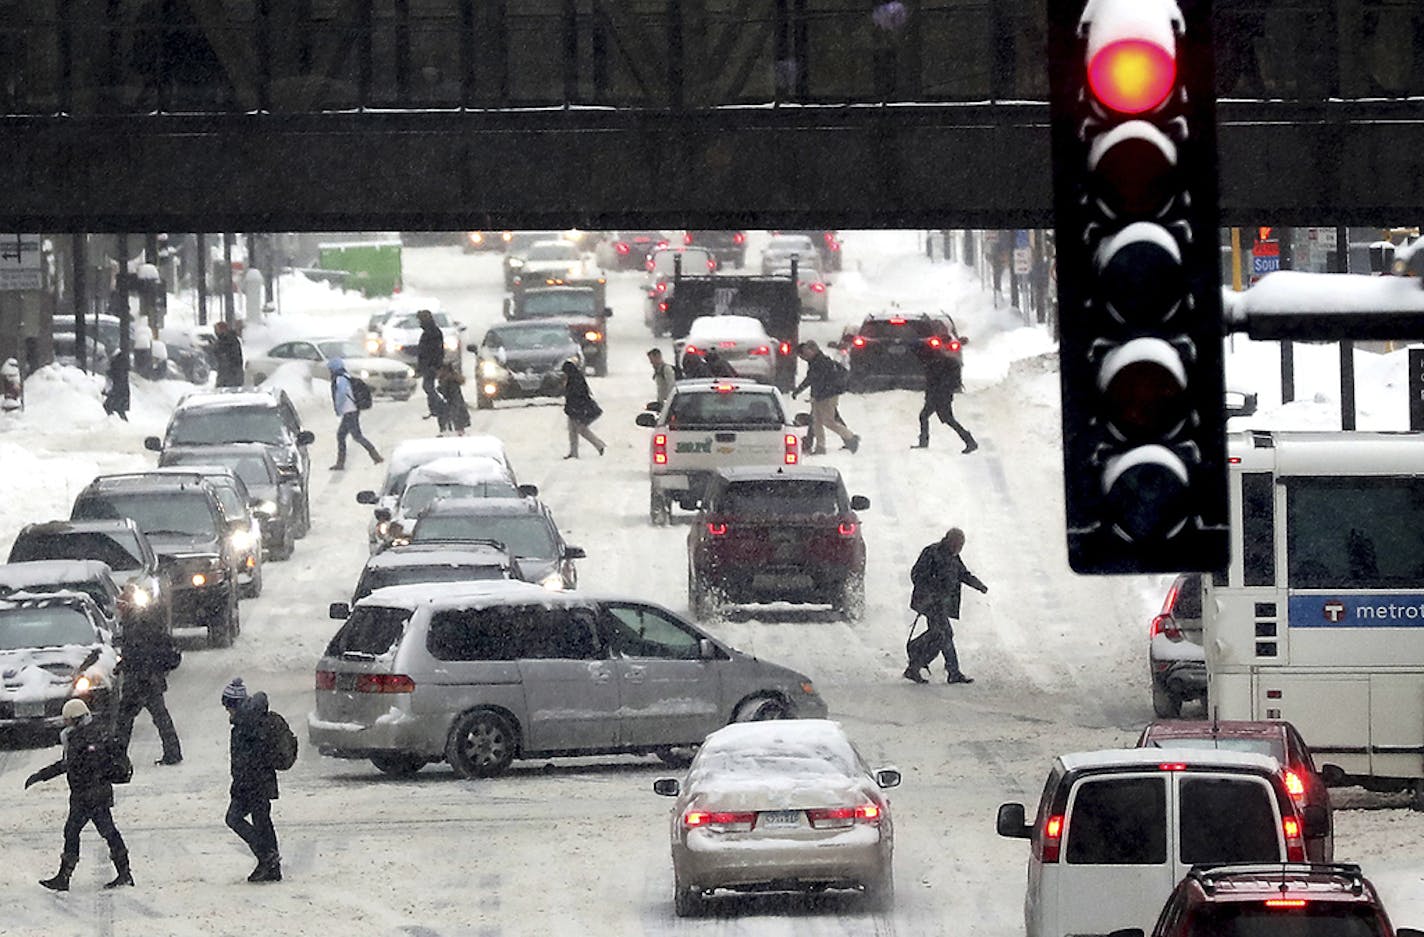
(274, 502)
(579, 307)
(629, 250)
(523, 359)
(524, 526)
(884, 350)
(246, 415)
(244, 529)
(729, 247)
(145, 587)
(184, 520)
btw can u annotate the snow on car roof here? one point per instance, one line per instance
(729, 327)
(482, 593)
(711, 385)
(18, 575)
(458, 470)
(413, 452)
(249, 398)
(474, 555)
(1152, 757)
(770, 759)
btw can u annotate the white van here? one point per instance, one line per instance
(1116, 830)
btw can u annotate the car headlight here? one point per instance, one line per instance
(89, 680)
(241, 540)
(450, 345)
(515, 262)
(140, 597)
(554, 582)
(364, 375)
(593, 335)
(373, 346)
(383, 528)
(490, 369)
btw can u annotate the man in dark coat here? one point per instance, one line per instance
(943, 379)
(227, 350)
(429, 355)
(254, 780)
(149, 654)
(938, 576)
(86, 760)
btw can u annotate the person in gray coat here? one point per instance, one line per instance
(938, 577)
(664, 375)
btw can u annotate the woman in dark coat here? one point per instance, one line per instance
(116, 387)
(456, 413)
(580, 408)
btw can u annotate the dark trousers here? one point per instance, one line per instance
(351, 426)
(937, 640)
(139, 696)
(81, 814)
(433, 400)
(259, 834)
(945, 411)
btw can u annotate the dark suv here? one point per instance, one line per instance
(729, 247)
(1291, 900)
(145, 590)
(274, 503)
(183, 518)
(236, 415)
(885, 350)
(777, 534)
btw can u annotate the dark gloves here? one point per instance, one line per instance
(32, 779)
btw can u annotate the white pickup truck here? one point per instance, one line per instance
(711, 424)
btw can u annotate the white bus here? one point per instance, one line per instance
(1320, 618)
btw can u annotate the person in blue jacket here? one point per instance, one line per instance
(343, 401)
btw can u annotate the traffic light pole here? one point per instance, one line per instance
(1347, 347)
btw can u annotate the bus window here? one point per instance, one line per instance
(1355, 532)
(1258, 529)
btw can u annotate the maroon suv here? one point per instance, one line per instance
(777, 534)
(1278, 739)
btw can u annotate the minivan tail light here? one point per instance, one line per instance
(384, 683)
(793, 446)
(721, 821)
(1052, 837)
(1295, 786)
(326, 679)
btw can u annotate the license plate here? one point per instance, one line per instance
(529, 382)
(897, 349)
(779, 819)
(35, 710)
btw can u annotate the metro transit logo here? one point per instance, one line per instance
(1357, 611)
(1334, 611)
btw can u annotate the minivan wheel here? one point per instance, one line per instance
(1164, 704)
(764, 709)
(481, 745)
(398, 764)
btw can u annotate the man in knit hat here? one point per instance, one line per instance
(254, 780)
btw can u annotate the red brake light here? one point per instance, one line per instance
(1166, 625)
(933, 341)
(953, 345)
(847, 528)
(858, 341)
(711, 263)
(326, 679)
(720, 820)
(831, 241)
(622, 248)
(660, 455)
(739, 238)
(760, 350)
(660, 286)
(1295, 786)
(687, 237)
(1285, 902)
(792, 445)
(818, 287)
(1052, 837)
(898, 320)
(1291, 826)
(691, 350)
(662, 243)
(724, 388)
(716, 530)
(384, 683)
(1295, 848)
(1132, 76)
(1234, 459)
(1172, 766)
(662, 306)
(785, 349)
(830, 818)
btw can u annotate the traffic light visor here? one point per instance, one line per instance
(1132, 76)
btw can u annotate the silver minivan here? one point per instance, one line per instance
(478, 674)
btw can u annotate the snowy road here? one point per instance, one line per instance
(580, 846)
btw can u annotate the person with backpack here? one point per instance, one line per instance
(92, 765)
(827, 380)
(149, 655)
(261, 745)
(349, 396)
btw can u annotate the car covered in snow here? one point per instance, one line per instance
(90, 577)
(778, 806)
(53, 648)
(471, 476)
(479, 674)
(740, 341)
(449, 561)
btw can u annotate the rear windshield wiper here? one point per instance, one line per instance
(361, 655)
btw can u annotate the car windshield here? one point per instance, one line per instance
(342, 349)
(1271, 747)
(552, 337)
(217, 426)
(522, 535)
(420, 496)
(693, 411)
(907, 329)
(562, 251)
(541, 305)
(252, 469)
(157, 513)
(53, 626)
(374, 579)
(780, 498)
(1312, 919)
(120, 550)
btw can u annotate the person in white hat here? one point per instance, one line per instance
(89, 762)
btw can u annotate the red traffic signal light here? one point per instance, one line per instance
(1132, 76)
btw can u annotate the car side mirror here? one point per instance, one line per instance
(1011, 822)
(473, 346)
(153, 444)
(339, 610)
(1408, 932)
(859, 503)
(574, 553)
(607, 312)
(306, 437)
(706, 650)
(801, 419)
(1239, 403)
(1317, 821)
(887, 777)
(382, 514)
(366, 497)
(529, 491)
(646, 418)
(506, 307)
(667, 787)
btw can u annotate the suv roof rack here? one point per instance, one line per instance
(1208, 876)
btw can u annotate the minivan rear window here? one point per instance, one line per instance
(1118, 821)
(1315, 919)
(513, 632)
(372, 630)
(1227, 820)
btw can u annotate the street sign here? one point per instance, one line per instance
(1416, 388)
(1023, 256)
(1324, 238)
(21, 262)
(1265, 258)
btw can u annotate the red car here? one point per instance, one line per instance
(777, 534)
(1280, 740)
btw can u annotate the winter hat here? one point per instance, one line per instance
(234, 694)
(335, 365)
(75, 709)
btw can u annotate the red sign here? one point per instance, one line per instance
(1266, 248)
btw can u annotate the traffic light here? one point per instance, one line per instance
(1140, 346)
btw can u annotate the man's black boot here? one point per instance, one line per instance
(60, 882)
(121, 866)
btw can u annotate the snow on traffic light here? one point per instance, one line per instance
(1140, 351)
